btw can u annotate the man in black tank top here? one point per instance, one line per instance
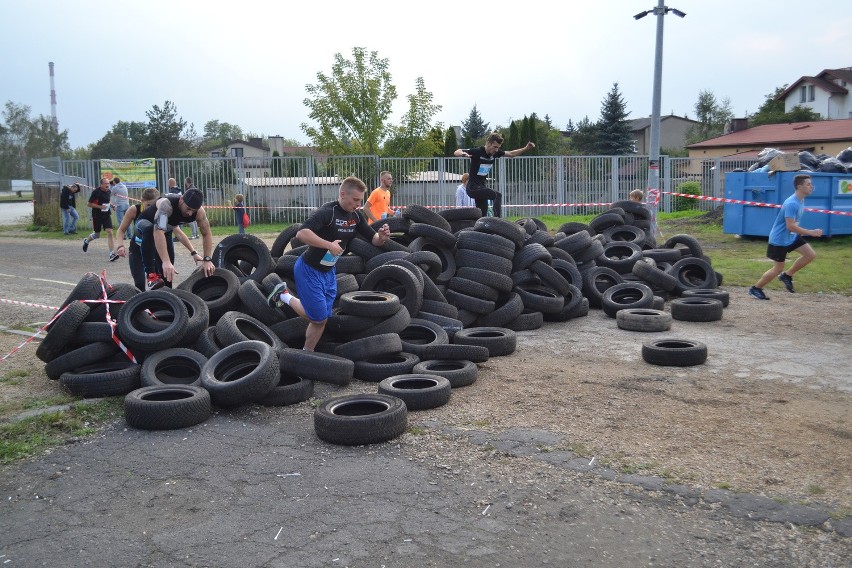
(155, 231)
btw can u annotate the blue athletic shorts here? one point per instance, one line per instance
(316, 290)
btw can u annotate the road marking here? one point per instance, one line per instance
(38, 279)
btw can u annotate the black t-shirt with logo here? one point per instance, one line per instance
(100, 198)
(481, 165)
(331, 223)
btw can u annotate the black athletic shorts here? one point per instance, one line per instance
(779, 253)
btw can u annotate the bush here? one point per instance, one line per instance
(686, 203)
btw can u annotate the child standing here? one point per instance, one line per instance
(239, 211)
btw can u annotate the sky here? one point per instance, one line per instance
(248, 62)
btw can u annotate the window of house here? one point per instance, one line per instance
(215, 154)
(236, 152)
(804, 94)
(810, 92)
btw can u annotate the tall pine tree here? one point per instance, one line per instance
(451, 143)
(613, 129)
(473, 129)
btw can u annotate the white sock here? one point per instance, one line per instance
(286, 297)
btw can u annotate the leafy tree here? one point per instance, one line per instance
(473, 129)
(218, 134)
(711, 115)
(772, 111)
(450, 142)
(23, 138)
(414, 137)
(584, 141)
(124, 140)
(613, 130)
(513, 138)
(351, 105)
(167, 134)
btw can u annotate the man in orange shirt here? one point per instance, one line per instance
(379, 200)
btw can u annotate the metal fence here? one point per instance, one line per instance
(286, 189)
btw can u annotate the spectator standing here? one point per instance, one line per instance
(637, 195)
(239, 211)
(173, 186)
(462, 198)
(68, 205)
(785, 236)
(378, 204)
(327, 232)
(120, 200)
(187, 185)
(101, 217)
(481, 163)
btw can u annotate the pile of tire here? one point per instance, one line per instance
(447, 292)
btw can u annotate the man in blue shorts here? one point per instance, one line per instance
(327, 233)
(786, 236)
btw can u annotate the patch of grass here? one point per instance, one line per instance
(480, 423)
(841, 513)
(33, 435)
(417, 430)
(638, 467)
(815, 490)
(580, 449)
(723, 485)
(14, 377)
(781, 500)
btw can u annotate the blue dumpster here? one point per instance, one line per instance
(831, 191)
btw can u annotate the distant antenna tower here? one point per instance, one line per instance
(54, 121)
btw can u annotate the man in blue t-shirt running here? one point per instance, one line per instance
(786, 236)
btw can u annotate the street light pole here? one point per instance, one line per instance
(654, 154)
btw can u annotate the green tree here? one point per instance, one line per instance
(414, 136)
(167, 134)
(513, 138)
(219, 134)
(711, 115)
(23, 138)
(613, 129)
(772, 111)
(351, 106)
(584, 141)
(124, 140)
(451, 143)
(473, 129)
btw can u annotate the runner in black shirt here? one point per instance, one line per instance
(327, 233)
(481, 162)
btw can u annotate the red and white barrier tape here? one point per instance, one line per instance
(30, 304)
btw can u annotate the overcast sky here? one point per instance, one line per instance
(247, 62)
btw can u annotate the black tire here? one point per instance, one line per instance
(420, 214)
(255, 304)
(483, 261)
(176, 366)
(525, 277)
(469, 303)
(544, 238)
(638, 210)
(692, 273)
(502, 227)
(166, 407)
(421, 333)
(503, 313)
(171, 334)
(573, 298)
(290, 389)
(441, 308)
(456, 352)
(459, 373)
(696, 309)
(540, 299)
(199, 316)
(396, 224)
(473, 288)
(428, 262)
(714, 293)
(569, 272)
(627, 295)
(62, 331)
(119, 293)
(314, 366)
(529, 254)
(397, 280)
(418, 392)
(368, 347)
(596, 281)
(604, 221)
(573, 227)
(87, 288)
(207, 344)
(662, 255)
(439, 236)
(369, 303)
(527, 321)
(236, 327)
(643, 319)
(550, 276)
(247, 248)
(654, 276)
(92, 332)
(102, 379)
(445, 255)
(283, 239)
(241, 373)
(461, 214)
(620, 256)
(450, 325)
(392, 324)
(674, 352)
(575, 242)
(360, 419)
(625, 233)
(500, 282)
(339, 323)
(486, 242)
(363, 249)
(500, 341)
(378, 368)
(219, 291)
(80, 357)
(687, 242)
(347, 264)
(384, 258)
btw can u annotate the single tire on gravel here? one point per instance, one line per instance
(674, 352)
(360, 419)
(626, 295)
(166, 407)
(459, 373)
(696, 309)
(241, 373)
(713, 293)
(643, 319)
(418, 392)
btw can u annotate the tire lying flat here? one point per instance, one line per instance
(360, 419)
(674, 352)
